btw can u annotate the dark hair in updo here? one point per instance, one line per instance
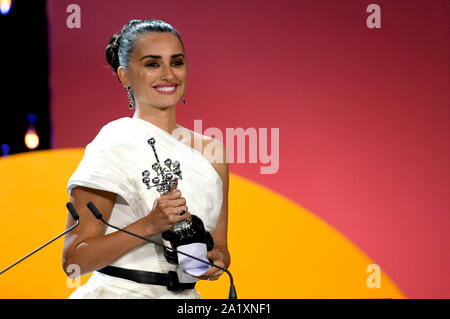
(121, 45)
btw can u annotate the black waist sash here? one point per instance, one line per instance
(169, 280)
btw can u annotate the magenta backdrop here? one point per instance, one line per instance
(363, 113)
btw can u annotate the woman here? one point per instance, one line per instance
(148, 57)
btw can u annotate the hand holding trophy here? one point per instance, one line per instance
(188, 231)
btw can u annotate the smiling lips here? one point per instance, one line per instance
(169, 88)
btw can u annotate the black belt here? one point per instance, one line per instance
(169, 280)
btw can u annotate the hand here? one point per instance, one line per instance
(165, 213)
(215, 256)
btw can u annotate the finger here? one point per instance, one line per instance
(173, 194)
(211, 276)
(183, 210)
(215, 276)
(180, 210)
(211, 273)
(178, 218)
(215, 273)
(177, 202)
(214, 255)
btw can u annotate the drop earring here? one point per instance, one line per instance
(183, 101)
(130, 97)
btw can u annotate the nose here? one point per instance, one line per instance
(167, 73)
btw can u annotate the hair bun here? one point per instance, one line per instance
(112, 51)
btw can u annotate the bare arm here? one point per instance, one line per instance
(220, 234)
(90, 249)
(220, 254)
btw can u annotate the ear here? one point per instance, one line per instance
(123, 77)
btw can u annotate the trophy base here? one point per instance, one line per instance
(194, 234)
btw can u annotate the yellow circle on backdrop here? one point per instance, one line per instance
(278, 249)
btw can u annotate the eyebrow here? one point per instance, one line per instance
(159, 57)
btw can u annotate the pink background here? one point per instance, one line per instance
(363, 113)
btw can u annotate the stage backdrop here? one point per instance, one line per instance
(362, 115)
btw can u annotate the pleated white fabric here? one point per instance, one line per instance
(114, 162)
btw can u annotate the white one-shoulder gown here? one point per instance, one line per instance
(114, 162)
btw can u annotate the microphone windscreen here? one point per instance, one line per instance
(72, 211)
(94, 210)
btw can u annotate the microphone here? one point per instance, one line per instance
(98, 215)
(75, 216)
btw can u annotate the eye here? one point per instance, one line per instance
(154, 64)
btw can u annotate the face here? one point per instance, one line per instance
(157, 71)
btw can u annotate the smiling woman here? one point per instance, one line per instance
(150, 75)
(148, 57)
(134, 49)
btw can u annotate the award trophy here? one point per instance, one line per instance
(187, 231)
